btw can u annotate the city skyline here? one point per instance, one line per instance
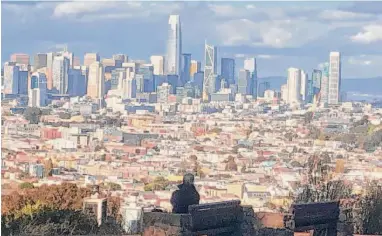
(360, 49)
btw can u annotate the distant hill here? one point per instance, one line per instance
(357, 89)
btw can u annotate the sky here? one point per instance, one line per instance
(278, 34)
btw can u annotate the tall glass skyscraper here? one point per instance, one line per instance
(324, 92)
(243, 83)
(228, 70)
(186, 66)
(174, 46)
(210, 68)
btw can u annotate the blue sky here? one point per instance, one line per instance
(279, 34)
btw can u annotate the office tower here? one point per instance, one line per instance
(196, 66)
(163, 92)
(334, 78)
(119, 59)
(129, 87)
(11, 78)
(173, 80)
(250, 65)
(96, 81)
(159, 80)
(77, 83)
(189, 89)
(210, 68)
(147, 70)
(23, 82)
(185, 68)
(316, 78)
(243, 82)
(262, 87)
(304, 85)
(284, 92)
(90, 58)
(60, 74)
(174, 46)
(49, 65)
(117, 77)
(139, 78)
(37, 94)
(133, 66)
(309, 92)
(76, 62)
(69, 56)
(324, 92)
(294, 85)
(40, 61)
(158, 63)
(198, 80)
(214, 84)
(20, 58)
(228, 70)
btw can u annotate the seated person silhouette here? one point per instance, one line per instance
(185, 196)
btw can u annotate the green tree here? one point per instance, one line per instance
(32, 114)
(26, 185)
(114, 186)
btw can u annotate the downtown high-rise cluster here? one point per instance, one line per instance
(168, 78)
(323, 87)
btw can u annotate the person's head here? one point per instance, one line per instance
(188, 179)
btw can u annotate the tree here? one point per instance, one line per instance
(308, 117)
(114, 186)
(64, 115)
(243, 169)
(48, 166)
(26, 185)
(32, 114)
(368, 211)
(159, 183)
(231, 164)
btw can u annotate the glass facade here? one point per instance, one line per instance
(228, 70)
(186, 66)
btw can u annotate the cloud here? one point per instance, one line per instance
(371, 33)
(343, 15)
(365, 60)
(288, 32)
(91, 11)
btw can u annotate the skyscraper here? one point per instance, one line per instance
(174, 46)
(294, 85)
(195, 67)
(147, 70)
(250, 65)
(243, 82)
(23, 82)
(228, 70)
(304, 85)
(76, 83)
(96, 81)
(60, 74)
(40, 61)
(316, 84)
(324, 92)
(20, 58)
(158, 63)
(210, 68)
(185, 68)
(163, 92)
(263, 86)
(119, 59)
(11, 78)
(90, 58)
(37, 94)
(334, 78)
(117, 77)
(129, 86)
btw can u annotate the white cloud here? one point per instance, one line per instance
(371, 33)
(365, 60)
(343, 15)
(266, 56)
(288, 32)
(90, 11)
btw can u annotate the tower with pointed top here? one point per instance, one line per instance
(174, 46)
